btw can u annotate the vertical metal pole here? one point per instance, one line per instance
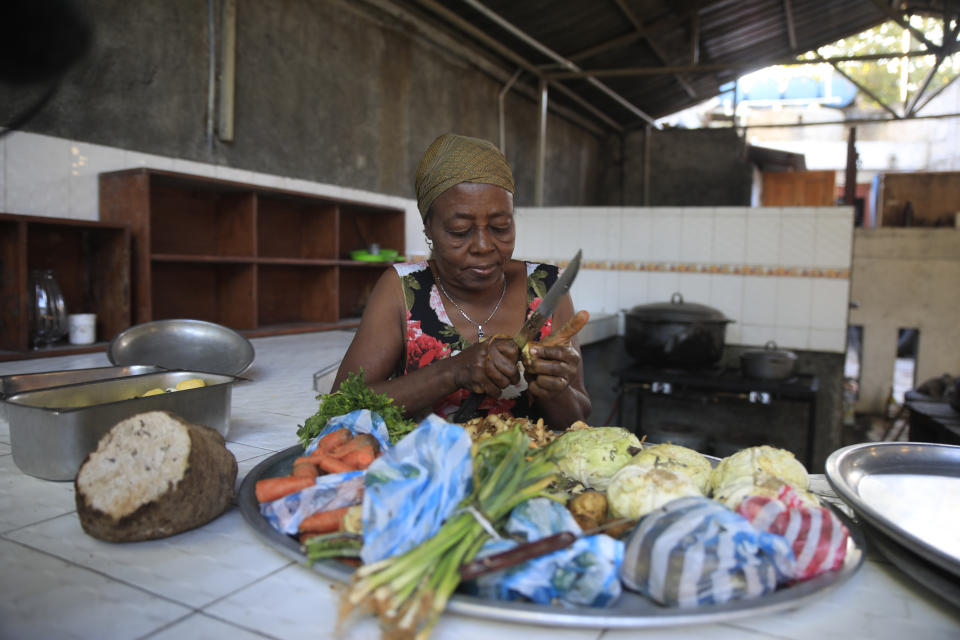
(541, 144)
(501, 116)
(212, 73)
(228, 67)
(647, 133)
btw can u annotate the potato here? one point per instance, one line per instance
(589, 509)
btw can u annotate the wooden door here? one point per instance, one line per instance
(799, 188)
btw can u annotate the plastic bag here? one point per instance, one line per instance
(330, 491)
(695, 551)
(359, 421)
(584, 573)
(818, 538)
(413, 487)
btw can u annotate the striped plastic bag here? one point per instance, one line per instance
(694, 551)
(818, 538)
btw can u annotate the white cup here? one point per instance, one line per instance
(83, 328)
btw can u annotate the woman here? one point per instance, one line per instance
(433, 332)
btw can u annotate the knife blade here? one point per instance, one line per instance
(530, 328)
(529, 550)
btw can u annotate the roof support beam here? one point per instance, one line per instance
(733, 66)
(864, 88)
(495, 17)
(695, 38)
(911, 107)
(791, 29)
(657, 50)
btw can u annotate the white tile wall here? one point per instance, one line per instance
(759, 300)
(666, 234)
(636, 238)
(87, 162)
(834, 237)
(38, 175)
(830, 304)
(763, 236)
(797, 237)
(794, 296)
(730, 236)
(3, 173)
(632, 288)
(697, 235)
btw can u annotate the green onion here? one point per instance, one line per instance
(409, 591)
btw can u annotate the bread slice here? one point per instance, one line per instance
(154, 475)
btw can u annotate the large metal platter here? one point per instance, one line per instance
(907, 490)
(631, 611)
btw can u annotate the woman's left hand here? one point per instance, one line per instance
(551, 369)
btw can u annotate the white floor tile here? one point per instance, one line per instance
(203, 627)
(193, 568)
(274, 606)
(34, 500)
(44, 597)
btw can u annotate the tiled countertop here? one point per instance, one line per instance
(222, 581)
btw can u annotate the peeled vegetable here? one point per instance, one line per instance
(753, 461)
(680, 460)
(589, 509)
(636, 490)
(761, 484)
(592, 456)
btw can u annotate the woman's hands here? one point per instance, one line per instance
(551, 369)
(489, 366)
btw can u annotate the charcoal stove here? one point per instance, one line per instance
(712, 384)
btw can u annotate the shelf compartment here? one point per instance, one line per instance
(361, 226)
(298, 228)
(201, 221)
(13, 287)
(290, 294)
(356, 285)
(217, 292)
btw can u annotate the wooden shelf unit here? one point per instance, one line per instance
(260, 260)
(91, 262)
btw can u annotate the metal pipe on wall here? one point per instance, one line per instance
(541, 144)
(228, 67)
(500, 114)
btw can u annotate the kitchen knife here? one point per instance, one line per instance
(528, 331)
(529, 550)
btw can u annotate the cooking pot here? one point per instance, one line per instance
(675, 334)
(769, 363)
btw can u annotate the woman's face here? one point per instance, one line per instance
(471, 226)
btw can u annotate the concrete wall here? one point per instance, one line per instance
(905, 278)
(687, 167)
(328, 91)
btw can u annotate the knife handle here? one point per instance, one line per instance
(468, 410)
(516, 555)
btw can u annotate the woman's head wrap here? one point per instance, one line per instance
(452, 159)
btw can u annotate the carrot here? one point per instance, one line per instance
(568, 330)
(270, 489)
(304, 469)
(359, 441)
(323, 521)
(334, 439)
(328, 463)
(359, 458)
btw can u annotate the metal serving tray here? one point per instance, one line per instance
(907, 490)
(18, 382)
(52, 430)
(631, 611)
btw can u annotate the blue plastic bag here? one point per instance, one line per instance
(583, 574)
(413, 487)
(330, 491)
(359, 421)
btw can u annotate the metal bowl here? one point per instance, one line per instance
(195, 345)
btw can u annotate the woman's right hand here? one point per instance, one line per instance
(489, 366)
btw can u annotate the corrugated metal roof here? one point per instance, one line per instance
(644, 36)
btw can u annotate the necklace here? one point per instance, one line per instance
(478, 325)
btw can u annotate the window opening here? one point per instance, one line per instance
(905, 367)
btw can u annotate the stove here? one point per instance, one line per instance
(713, 384)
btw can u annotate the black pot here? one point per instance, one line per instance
(675, 334)
(769, 363)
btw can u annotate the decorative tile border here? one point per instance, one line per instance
(696, 267)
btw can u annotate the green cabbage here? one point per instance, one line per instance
(753, 461)
(680, 460)
(636, 490)
(592, 456)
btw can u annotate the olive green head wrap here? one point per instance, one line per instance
(452, 159)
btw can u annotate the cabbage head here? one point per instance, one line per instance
(752, 461)
(592, 456)
(636, 490)
(681, 460)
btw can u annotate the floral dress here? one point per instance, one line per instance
(431, 336)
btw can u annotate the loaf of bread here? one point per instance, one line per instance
(154, 475)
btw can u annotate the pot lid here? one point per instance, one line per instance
(769, 351)
(677, 311)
